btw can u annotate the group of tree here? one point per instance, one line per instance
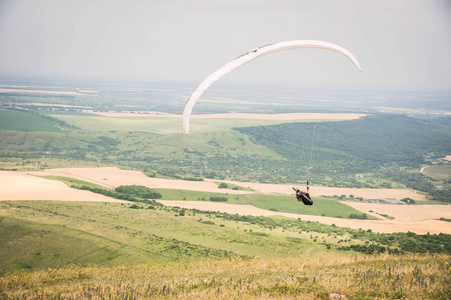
(218, 199)
(138, 191)
(363, 216)
(134, 193)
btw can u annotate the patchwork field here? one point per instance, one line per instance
(419, 218)
(248, 116)
(113, 177)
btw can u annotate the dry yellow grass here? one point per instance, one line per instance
(317, 276)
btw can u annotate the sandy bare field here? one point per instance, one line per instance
(405, 213)
(273, 117)
(416, 222)
(24, 186)
(21, 186)
(113, 177)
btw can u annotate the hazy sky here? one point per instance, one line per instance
(400, 44)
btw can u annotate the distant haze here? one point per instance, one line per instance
(401, 45)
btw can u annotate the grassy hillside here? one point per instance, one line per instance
(357, 145)
(42, 234)
(108, 250)
(385, 148)
(35, 245)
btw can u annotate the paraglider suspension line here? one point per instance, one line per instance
(311, 152)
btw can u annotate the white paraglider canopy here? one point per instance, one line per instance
(250, 56)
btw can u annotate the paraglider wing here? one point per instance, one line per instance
(250, 56)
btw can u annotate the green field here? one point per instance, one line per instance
(23, 121)
(72, 182)
(163, 125)
(439, 172)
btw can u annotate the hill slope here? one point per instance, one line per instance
(357, 145)
(43, 234)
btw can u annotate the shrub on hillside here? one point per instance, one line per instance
(218, 199)
(138, 191)
(223, 185)
(363, 216)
